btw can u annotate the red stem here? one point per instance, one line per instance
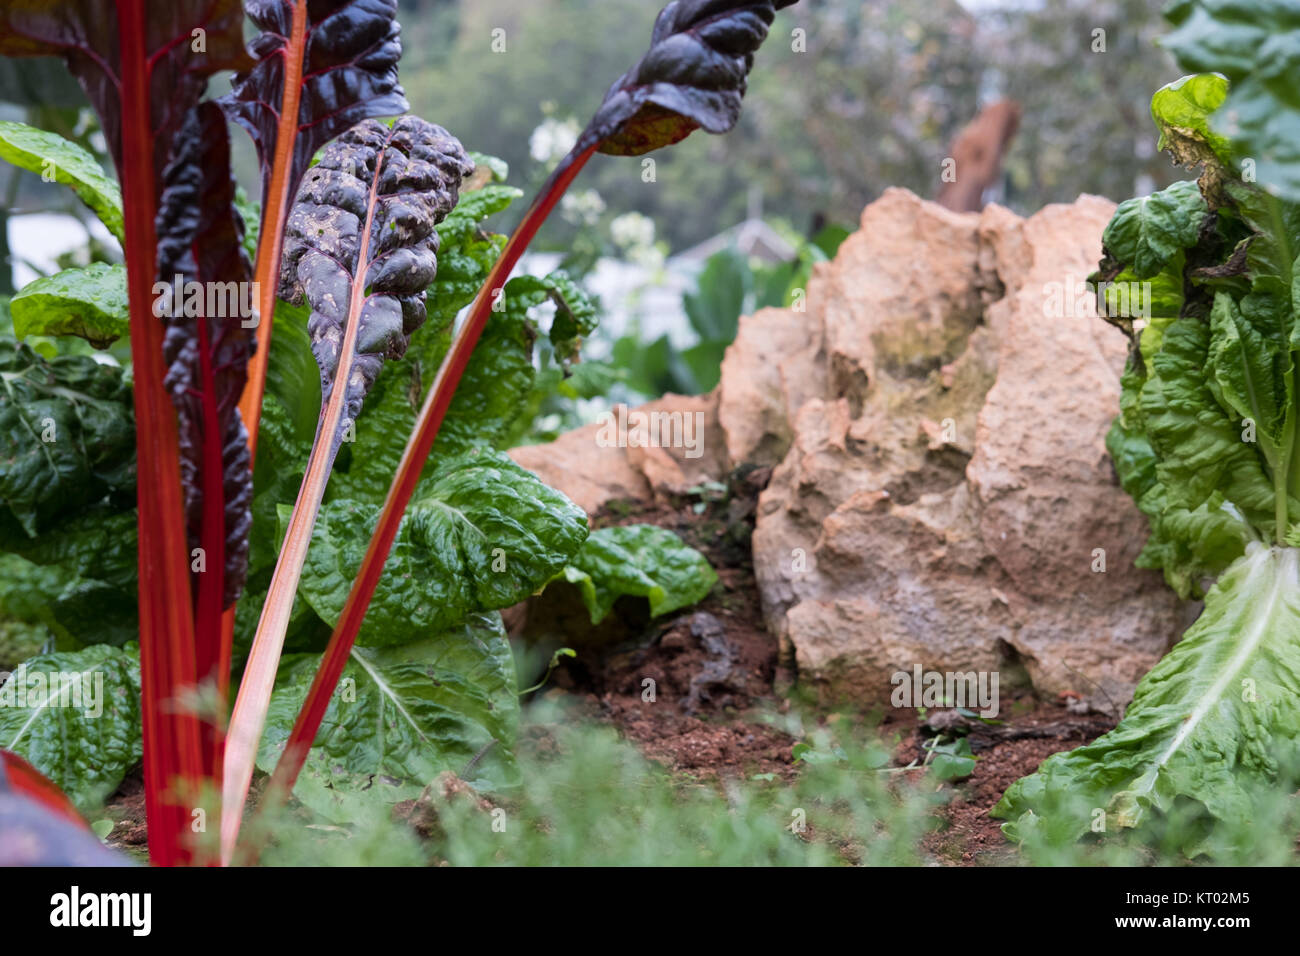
(417, 452)
(248, 718)
(213, 655)
(172, 753)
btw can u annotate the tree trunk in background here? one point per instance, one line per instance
(978, 151)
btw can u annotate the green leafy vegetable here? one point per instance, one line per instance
(403, 715)
(46, 154)
(76, 718)
(1208, 444)
(67, 435)
(575, 316)
(480, 534)
(89, 303)
(1148, 232)
(1182, 110)
(643, 561)
(1215, 720)
(1256, 46)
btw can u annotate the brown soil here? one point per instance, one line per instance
(130, 832)
(715, 674)
(703, 726)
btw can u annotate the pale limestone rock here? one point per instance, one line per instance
(943, 487)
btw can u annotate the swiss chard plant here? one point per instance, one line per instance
(305, 452)
(1204, 279)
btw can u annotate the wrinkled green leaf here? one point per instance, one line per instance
(45, 153)
(480, 534)
(67, 436)
(367, 466)
(1257, 47)
(88, 749)
(499, 168)
(401, 716)
(1182, 110)
(1147, 232)
(1201, 448)
(640, 560)
(463, 221)
(1215, 719)
(89, 303)
(575, 316)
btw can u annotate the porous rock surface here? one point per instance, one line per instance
(935, 416)
(942, 494)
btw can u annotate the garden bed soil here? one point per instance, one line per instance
(717, 688)
(708, 728)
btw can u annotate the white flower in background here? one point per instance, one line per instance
(552, 140)
(582, 208)
(632, 229)
(634, 234)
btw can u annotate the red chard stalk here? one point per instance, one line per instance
(144, 68)
(206, 347)
(361, 248)
(692, 77)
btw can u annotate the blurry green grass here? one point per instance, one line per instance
(593, 800)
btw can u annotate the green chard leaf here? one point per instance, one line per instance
(1182, 111)
(291, 373)
(1213, 722)
(1147, 232)
(68, 436)
(463, 221)
(403, 715)
(89, 303)
(76, 718)
(44, 153)
(1207, 445)
(575, 315)
(1201, 448)
(499, 378)
(78, 579)
(1257, 47)
(1250, 357)
(277, 474)
(640, 560)
(480, 534)
(367, 465)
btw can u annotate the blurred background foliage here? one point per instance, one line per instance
(847, 99)
(873, 102)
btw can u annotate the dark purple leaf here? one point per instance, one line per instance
(419, 170)
(692, 77)
(85, 33)
(206, 346)
(349, 73)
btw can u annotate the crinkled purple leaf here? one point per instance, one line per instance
(692, 77)
(200, 240)
(405, 181)
(349, 73)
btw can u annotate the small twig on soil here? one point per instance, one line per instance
(473, 761)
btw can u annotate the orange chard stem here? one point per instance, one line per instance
(275, 210)
(407, 477)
